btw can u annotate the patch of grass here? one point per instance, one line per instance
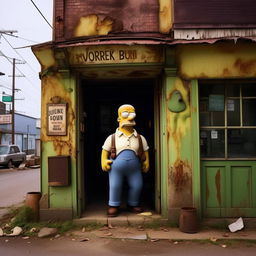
(61, 226)
(22, 216)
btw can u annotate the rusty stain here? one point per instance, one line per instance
(217, 184)
(245, 67)
(226, 72)
(178, 175)
(53, 87)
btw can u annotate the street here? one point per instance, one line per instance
(66, 246)
(14, 185)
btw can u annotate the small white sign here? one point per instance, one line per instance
(57, 119)
(214, 134)
(231, 105)
(6, 119)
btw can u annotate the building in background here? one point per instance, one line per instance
(188, 67)
(27, 133)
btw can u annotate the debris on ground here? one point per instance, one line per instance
(45, 232)
(85, 240)
(237, 225)
(213, 239)
(145, 214)
(15, 231)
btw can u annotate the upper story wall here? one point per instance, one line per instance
(170, 19)
(76, 18)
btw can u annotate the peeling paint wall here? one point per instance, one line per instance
(179, 159)
(220, 60)
(93, 18)
(57, 87)
(165, 16)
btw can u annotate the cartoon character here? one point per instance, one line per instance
(125, 155)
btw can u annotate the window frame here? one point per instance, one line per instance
(226, 127)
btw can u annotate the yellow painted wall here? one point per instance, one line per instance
(219, 60)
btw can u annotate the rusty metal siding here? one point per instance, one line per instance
(123, 16)
(214, 13)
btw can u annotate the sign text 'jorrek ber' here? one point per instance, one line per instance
(115, 54)
(57, 119)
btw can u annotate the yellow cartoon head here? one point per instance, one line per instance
(126, 115)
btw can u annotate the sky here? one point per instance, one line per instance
(22, 16)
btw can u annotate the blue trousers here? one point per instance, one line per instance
(126, 165)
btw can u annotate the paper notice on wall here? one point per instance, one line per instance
(214, 134)
(231, 105)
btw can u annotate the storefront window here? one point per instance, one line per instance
(227, 119)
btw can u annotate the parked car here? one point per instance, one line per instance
(11, 155)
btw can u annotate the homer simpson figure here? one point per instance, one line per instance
(125, 155)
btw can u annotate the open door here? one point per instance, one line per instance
(102, 99)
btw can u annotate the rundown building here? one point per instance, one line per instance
(188, 67)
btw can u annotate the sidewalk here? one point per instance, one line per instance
(173, 234)
(132, 226)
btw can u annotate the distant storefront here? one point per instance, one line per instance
(27, 133)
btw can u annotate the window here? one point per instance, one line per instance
(12, 150)
(227, 119)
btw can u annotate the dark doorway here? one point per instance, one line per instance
(102, 99)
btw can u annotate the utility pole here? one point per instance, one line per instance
(13, 101)
(13, 90)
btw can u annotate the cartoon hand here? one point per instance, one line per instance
(106, 165)
(145, 163)
(105, 162)
(145, 166)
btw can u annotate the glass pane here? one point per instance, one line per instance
(210, 118)
(204, 114)
(249, 90)
(212, 143)
(249, 113)
(206, 89)
(233, 90)
(241, 143)
(233, 112)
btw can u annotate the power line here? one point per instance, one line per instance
(19, 37)
(41, 13)
(19, 54)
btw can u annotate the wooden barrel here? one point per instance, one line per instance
(32, 201)
(188, 221)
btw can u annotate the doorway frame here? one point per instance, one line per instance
(157, 101)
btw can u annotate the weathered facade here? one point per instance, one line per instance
(192, 81)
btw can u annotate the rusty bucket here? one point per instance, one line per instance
(32, 201)
(188, 221)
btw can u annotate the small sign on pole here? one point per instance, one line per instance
(5, 119)
(7, 98)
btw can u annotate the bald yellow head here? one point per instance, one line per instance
(126, 115)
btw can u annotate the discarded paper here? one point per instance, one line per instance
(237, 225)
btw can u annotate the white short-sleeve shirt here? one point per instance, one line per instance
(124, 142)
